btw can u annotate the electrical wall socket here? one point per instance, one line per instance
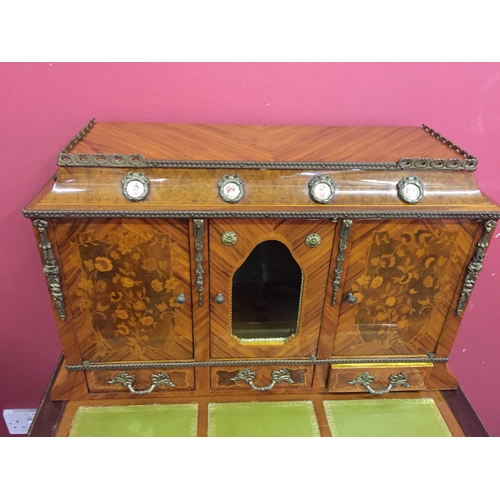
(19, 421)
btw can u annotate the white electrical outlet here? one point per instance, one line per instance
(19, 421)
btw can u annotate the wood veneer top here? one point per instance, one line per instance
(264, 143)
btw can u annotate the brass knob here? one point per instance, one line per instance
(351, 298)
(313, 240)
(180, 299)
(219, 299)
(229, 238)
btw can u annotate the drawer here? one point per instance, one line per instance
(141, 382)
(262, 378)
(404, 377)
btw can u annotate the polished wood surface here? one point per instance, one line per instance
(140, 278)
(195, 187)
(403, 275)
(261, 142)
(99, 188)
(123, 277)
(225, 260)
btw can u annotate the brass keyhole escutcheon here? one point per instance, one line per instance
(313, 240)
(229, 238)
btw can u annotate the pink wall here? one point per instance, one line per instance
(42, 106)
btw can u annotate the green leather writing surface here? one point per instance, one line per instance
(385, 418)
(262, 419)
(179, 420)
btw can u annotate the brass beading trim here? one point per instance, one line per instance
(88, 366)
(78, 137)
(66, 159)
(216, 214)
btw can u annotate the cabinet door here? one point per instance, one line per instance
(126, 280)
(267, 286)
(403, 275)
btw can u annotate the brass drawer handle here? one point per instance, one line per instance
(365, 379)
(127, 380)
(278, 376)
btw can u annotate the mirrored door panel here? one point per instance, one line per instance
(267, 285)
(266, 295)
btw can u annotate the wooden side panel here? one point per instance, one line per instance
(123, 278)
(453, 319)
(69, 385)
(225, 260)
(65, 328)
(404, 275)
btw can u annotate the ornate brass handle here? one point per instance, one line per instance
(278, 376)
(365, 379)
(127, 380)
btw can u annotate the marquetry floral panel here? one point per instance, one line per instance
(125, 287)
(403, 275)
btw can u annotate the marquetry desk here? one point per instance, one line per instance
(226, 262)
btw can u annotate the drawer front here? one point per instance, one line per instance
(262, 378)
(358, 379)
(141, 382)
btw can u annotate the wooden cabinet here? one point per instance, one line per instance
(129, 283)
(220, 260)
(401, 277)
(273, 283)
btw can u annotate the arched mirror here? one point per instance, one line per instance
(266, 295)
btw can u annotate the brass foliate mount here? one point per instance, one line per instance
(313, 240)
(198, 245)
(229, 238)
(50, 268)
(344, 235)
(475, 265)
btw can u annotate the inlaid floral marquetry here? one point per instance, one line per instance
(126, 289)
(401, 275)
